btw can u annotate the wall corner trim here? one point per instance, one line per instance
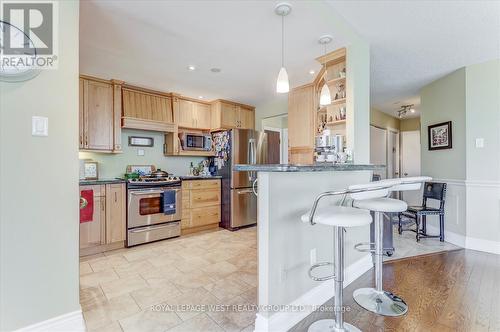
(283, 321)
(72, 321)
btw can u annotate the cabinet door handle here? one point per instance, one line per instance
(116, 199)
(103, 202)
(86, 141)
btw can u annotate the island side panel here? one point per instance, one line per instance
(285, 242)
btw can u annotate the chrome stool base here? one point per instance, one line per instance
(328, 325)
(380, 302)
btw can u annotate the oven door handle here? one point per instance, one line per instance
(151, 228)
(152, 192)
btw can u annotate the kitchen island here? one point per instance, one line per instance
(287, 247)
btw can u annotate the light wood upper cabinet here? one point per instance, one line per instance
(229, 115)
(202, 116)
(147, 106)
(186, 114)
(192, 114)
(301, 124)
(247, 118)
(99, 117)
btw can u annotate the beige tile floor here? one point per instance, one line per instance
(155, 287)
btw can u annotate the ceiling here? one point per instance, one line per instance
(151, 43)
(416, 42)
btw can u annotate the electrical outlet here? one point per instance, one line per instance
(479, 143)
(312, 256)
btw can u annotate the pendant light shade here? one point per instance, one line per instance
(282, 85)
(325, 98)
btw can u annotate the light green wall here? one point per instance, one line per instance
(470, 97)
(383, 120)
(483, 164)
(39, 189)
(114, 165)
(483, 120)
(444, 100)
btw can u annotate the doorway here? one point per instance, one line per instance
(410, 162)
(276, 128)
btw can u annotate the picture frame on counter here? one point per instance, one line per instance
(141, 141)
(440, 136)
(90, 170)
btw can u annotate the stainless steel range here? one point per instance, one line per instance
(153, 208)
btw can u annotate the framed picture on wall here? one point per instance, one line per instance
(440, 136)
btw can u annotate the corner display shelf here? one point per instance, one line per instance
(335, 77)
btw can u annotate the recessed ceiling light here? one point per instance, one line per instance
(201, 97)
(311, 72)
(215, 70)
(191, 67)
(412, 110)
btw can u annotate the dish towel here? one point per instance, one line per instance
(168, 199)
(86, 205)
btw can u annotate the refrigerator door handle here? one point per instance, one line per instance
(254, 187)
(252, 156)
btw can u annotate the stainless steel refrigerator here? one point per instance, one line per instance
(239, 202)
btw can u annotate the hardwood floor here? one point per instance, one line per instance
(450, 291)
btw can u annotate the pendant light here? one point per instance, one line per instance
(282, 84)
(325, 98)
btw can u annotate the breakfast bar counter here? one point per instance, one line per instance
(287, 247)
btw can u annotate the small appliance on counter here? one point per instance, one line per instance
(154, 204)
(330, 148)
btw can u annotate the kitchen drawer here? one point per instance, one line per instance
(204, 197)
(99, 189)
(201, 184)
(205, 216)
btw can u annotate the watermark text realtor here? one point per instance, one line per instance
(29, 34)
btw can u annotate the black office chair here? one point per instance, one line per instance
(432, 190)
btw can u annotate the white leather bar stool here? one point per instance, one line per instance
(340, 218)
(376, 299)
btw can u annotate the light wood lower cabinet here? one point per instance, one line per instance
(201, 202)
(116, 218)
(107, 230)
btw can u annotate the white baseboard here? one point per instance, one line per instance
(70, 322)
(483, 245)
(450, 237)
(283, 321)
(467, 241)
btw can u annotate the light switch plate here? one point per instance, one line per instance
(479, 142)
(39, 126)
(140, 152)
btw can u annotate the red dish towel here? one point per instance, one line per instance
(86, 205)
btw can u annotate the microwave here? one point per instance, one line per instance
(192, 141)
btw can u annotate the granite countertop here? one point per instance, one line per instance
(101, 181)
(199, 177)
(306, 168)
